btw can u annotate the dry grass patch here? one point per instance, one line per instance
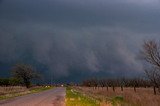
(142, 96)
(14, 91)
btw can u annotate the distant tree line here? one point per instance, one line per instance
(9, 82)
(121, 82)
(22, 74)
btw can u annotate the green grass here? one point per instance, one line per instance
(74, 98)
(36, 90)
(30, 91)
(117, 101)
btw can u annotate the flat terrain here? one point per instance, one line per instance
(74, 98)
(127, 97)
(53, 97)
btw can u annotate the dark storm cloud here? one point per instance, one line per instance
(72, 35)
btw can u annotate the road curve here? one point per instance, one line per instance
(53, 97)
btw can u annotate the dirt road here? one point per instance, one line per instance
(53, 97)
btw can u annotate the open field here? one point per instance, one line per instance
(127, 97)
(14, 91)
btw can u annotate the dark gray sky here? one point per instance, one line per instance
(74, 37)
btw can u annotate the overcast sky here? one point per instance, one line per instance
(77, 37)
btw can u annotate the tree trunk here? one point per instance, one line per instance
(102, 87)
(113, 88)
(107, 88)
(134, 88)
(27, 83)
(121, 88)
(158, 89)
(154, 89)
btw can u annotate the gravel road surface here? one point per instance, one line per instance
(53, 97)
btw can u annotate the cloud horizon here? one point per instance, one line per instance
(72, 37)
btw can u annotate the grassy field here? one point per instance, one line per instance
(127, 97)
(74, 98)
(14, 91)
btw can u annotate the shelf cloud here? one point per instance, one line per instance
(75, 36)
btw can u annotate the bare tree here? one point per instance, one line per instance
(102, 83)
(122, 83)
(25, 73)
(151, 54)
(154, 77)
(94, 83)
